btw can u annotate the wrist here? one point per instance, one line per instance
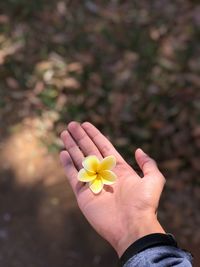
(137, 230)
(145, 242)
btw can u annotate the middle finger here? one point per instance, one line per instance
(83, 140)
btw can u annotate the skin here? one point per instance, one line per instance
(125, 211)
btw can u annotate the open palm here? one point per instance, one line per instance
(118, 207)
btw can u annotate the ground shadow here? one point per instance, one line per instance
(39, 227)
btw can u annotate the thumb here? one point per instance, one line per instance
(147, 164)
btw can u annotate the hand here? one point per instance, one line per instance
(125, 211)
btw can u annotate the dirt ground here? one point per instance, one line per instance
(40, 224)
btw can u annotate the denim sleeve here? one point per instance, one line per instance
(163, 256)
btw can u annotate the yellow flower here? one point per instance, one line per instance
(97, 173)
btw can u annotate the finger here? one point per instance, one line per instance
(70, 169)
(102, 143)
(147, 164)
(72, 148)
(83, 140)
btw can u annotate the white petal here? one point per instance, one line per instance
(108, 163)
(85, 176)
(91, 163)
(96, 186)
(108, 177)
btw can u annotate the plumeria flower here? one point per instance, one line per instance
(98, 173)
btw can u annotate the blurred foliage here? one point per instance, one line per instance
(132, 68)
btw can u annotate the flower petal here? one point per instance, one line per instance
(85, 176)
(108, 177)
(91, 163)
(96, 186)
(108, 163)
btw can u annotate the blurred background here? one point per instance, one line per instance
(130, 67)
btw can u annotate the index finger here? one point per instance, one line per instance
(69, 168)
(103, 144)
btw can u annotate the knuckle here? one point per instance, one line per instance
(121, 164)
(146, 160)
(81, 138)
(105, 149)
(68, 161)
(161, 177)
(91, 152)
(95, 136)
(151, 161)
(71, 147)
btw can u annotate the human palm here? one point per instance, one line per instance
(122, 205)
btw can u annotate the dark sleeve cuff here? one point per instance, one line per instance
(145, 242)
